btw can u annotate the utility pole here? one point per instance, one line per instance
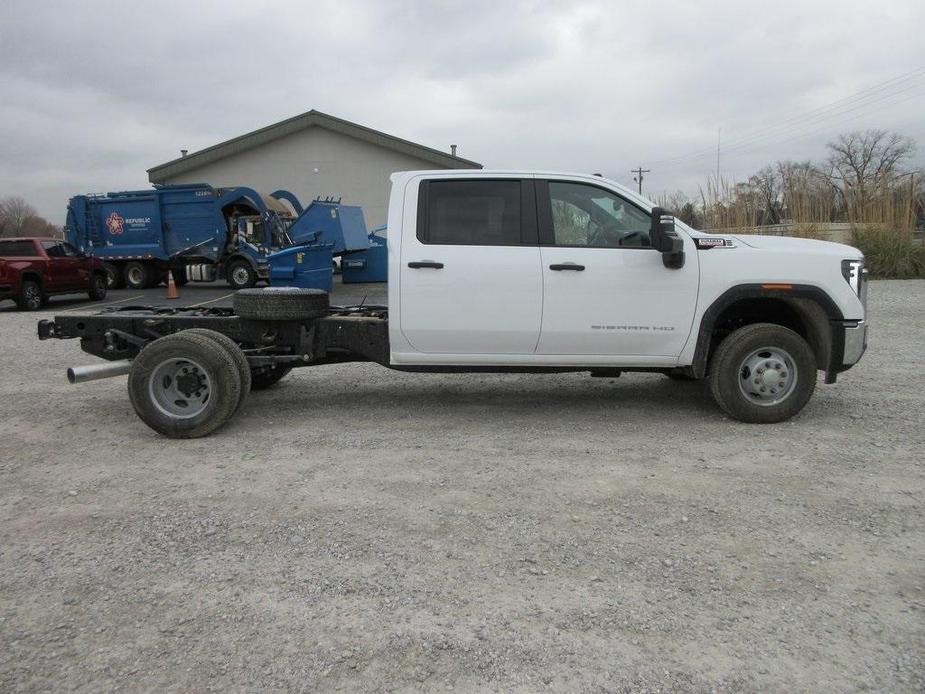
(719, 132)
(639, 176)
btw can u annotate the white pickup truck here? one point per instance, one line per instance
(514, 271)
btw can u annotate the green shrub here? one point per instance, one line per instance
(890, 254)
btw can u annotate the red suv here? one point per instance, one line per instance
(31, 270)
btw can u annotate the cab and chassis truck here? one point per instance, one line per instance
(512, 271)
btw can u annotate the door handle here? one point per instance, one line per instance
(567, 266)
(425, 263)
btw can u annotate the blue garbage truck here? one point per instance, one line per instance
(194, 230)
(201, 233)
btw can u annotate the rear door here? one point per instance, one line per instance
(470, 267)
(607, 291)
(66, 269)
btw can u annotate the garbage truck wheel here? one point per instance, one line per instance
(234, 353)
(139, 275)
(114, 278)
(241, 275)
(184, 385)
(281, 303)
(268, 377)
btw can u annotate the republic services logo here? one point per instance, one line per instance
(115, 223)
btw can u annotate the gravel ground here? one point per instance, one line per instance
(358, 529)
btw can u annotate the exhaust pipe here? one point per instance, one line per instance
(80, 374)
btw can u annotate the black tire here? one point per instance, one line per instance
(115, 279)
(218, 379)
(97, 287)
(240, 275)
(179, 277)
(790, 362)
(281, 303)
(139, 275)
(30, 296)
(268, 377)
(234, 353)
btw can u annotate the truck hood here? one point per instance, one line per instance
(803, 246)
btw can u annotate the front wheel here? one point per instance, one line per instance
(763, 373)
(184, 385)
(241, 275)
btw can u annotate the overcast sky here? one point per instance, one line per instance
(95, 93)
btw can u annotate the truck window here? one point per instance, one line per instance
(54, 249)
(16, 249)
(481, 213)
(585, 215)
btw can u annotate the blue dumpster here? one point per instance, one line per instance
(308, 267)
(371, 265)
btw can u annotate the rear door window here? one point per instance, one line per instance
(17, 249)
(53, 249)
(471, 212)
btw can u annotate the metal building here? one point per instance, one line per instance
(312, 155)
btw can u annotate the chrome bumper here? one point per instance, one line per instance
(855, 343)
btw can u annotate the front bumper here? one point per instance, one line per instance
(855, 343)
(849, 342)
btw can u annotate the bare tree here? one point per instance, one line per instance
(14, 211)
(863, 163)
(19, 218)
(766, 183)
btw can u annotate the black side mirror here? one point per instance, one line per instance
(665, 239)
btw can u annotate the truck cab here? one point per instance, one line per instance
(552, 269)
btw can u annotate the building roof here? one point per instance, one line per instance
(162, 172)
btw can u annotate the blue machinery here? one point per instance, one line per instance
(201, 231)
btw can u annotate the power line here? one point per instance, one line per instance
(866, 97)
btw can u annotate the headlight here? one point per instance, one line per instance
(854, 273)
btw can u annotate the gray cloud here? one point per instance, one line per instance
(96, 93)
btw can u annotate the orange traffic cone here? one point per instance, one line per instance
(172, 292)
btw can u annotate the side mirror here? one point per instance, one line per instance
(665, 239)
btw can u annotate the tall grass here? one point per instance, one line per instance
(881, 223)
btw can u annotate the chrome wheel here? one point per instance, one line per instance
(31, 296)
(767, 376)
(135, 276)
(180, 388)
(240, 276)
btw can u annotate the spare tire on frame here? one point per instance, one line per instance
(281, 303)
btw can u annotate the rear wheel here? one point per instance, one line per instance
(140, 275)
(184, 385)
(268, 376)
(30, 296)
(241, 275)
(97, 287)
(114, 277)
(763, 373)
(234, 353)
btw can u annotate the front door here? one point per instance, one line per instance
(470, 268)
(606, 292)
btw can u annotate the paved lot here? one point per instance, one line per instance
(367, 530)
